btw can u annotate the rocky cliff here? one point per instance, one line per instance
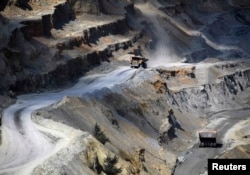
(152, 117)
(198, 66)
(34, 51)
(35, 40)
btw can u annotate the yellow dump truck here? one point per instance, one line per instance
(208, 138)
(137, 61)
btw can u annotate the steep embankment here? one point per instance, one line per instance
(148, 112)
(48, 47)
(52, 43)
(144, 117)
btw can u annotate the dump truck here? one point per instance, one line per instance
(137, 61)
(208, 138)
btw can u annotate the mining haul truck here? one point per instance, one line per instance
(208, 138)
(137, 61)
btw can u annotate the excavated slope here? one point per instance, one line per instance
(148, 119)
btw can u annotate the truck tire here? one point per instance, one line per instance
(144, 65)
(202, 144)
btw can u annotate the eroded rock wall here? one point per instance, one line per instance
(28, 65)
(210, 97)
(86, 6)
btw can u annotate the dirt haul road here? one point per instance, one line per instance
(25, 144)
(195, 160)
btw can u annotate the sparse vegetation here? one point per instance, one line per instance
(99, 134)
(96, 166)
(109, 166)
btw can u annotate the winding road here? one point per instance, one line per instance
(195, 160)
(24, 143)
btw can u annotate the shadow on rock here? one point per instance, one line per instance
(23, 4)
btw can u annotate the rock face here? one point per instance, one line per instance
(133, 146)
(114, 7)
(211, 5)
(36, 49)
(144, 122)
(29, 63)
(147, 119)
(205, 91)
(3, 4)
(86, 6)
(210, 95)
(243, 4)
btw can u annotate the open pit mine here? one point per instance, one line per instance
(123, 87)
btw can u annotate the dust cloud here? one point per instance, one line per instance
(163, 54)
